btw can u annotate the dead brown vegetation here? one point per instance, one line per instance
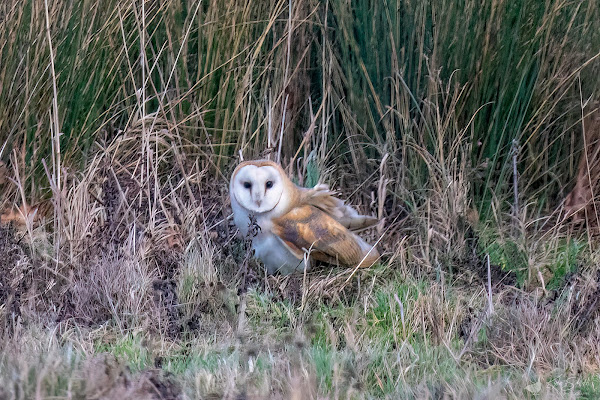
(581, 202)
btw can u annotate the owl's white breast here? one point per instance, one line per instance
(267, 246)
(276, 257)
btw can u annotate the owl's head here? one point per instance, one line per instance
(258, 185)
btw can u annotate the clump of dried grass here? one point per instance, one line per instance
(540, 335)
(119, 235)
(104, 378)
(206, 303)
(40, 364)
(115, 286)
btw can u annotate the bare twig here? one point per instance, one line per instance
(489, 287)
(515, 154)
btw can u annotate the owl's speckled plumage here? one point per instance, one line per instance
(295, 220)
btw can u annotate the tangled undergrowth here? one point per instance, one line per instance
(146, 283)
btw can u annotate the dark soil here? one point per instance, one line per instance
(14, 267)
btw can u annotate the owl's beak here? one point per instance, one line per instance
(257, 196)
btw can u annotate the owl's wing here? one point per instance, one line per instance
(309, 228)
(321, 197)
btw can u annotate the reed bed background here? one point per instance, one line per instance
(460, 124)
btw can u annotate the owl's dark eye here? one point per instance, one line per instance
(269, 184)
(247, 185)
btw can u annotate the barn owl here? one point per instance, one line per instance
(295, 221)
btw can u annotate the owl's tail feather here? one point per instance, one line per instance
(370, 259)
(370, 254)
(324, 199)
(358, 222)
